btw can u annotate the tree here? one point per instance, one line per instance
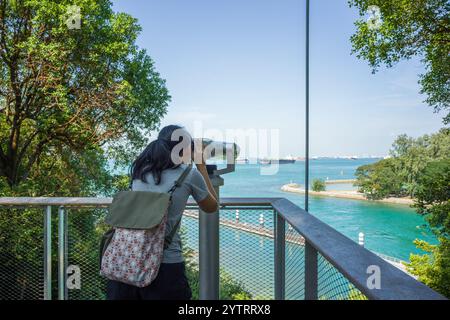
(72, 96)
(318, 185)
(380, 179)
(432, 268)
(70, 99)
(433, 201)
(409, 28)
(398, 175)
(433, 196)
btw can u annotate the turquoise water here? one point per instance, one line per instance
(389, 228)
(249, 258)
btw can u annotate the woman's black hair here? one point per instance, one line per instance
(156, 157)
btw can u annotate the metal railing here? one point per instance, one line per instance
(269, 248)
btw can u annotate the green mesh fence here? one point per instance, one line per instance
(84, 231)
(246, 256)
(21, 254)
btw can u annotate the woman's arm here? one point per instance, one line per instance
(201, 167)
(210, 203)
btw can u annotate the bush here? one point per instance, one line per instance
(318, 185)
(432, 268)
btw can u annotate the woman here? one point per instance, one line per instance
(155, 170)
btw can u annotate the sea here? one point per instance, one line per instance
(389, 229)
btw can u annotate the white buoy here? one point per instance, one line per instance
(361, 239)
(290, 228)
(237, 215)
(261, 219)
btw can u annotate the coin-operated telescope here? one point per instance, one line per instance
(209, 223)
(221, 151)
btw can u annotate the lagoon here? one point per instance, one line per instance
(389, 229)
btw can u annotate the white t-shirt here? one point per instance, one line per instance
(193, 185)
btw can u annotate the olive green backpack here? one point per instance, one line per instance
(131, 251)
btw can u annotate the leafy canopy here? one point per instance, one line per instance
(69, 98)
(433, 201)
(398, 175)
(409, 28)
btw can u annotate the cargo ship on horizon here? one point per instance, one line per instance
(288, 159)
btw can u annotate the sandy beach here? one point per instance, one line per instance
(347, 194)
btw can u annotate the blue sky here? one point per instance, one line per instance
(240, 64)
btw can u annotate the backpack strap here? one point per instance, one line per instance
(180, 179)
(168, 239)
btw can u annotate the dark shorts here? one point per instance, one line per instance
(170, 284)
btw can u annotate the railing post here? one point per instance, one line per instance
(62, 263)
(48, 253)
(209, 249)
(310, 272)
(279, 256)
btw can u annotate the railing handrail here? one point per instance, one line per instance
(352, 260)
(349, 258)
(105, 202)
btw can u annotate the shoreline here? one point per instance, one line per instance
(340, 181)
(344, 194)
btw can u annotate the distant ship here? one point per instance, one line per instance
(276, 161)
(242, 161)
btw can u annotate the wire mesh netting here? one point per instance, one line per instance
(294, 264)
(246, 256)
(189, 238)
(246, 253)
(21, 254)
(333, 285)
(84, 231)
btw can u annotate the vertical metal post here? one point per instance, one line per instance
(62, 253)
(279, 256)
(48, 253)
(209, 249)
(66, 253)
(310, 272)
(307, 110)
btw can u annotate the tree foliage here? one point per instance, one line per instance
(409, 28)
(71, 97)
(432, 268)
(398, 176)
(380, 180)
(318, 185)
(433, 201)
(433, 196)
